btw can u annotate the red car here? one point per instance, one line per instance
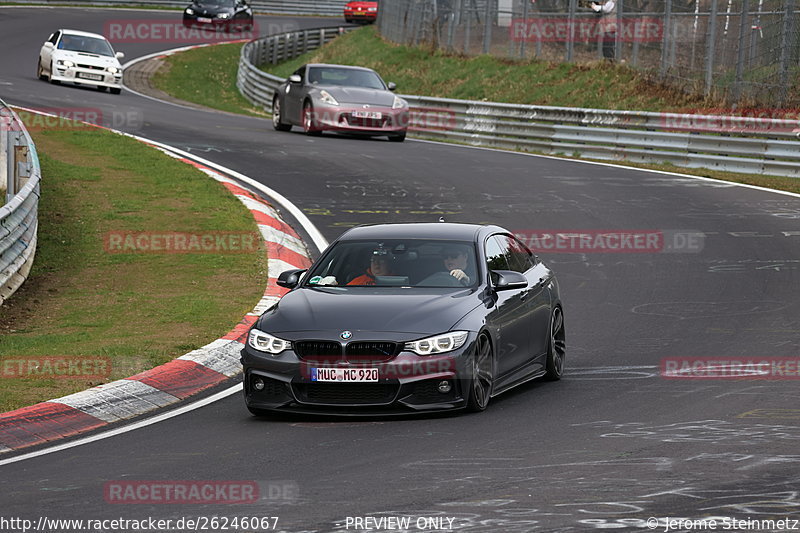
(360, 11)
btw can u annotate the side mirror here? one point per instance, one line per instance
(295, 78)
(391, 85)
(505, 280)
(48, 44)
(119, 55)
(290, 278)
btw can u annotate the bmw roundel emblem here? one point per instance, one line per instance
(346, 334)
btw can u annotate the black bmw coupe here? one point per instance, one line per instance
(219, 14)
(404, 318)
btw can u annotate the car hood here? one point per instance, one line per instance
(358, 95)
(86, 58)
(421, 312)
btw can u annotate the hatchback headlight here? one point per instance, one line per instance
(326, 97)
(112, 70)
(223, 15)
(189, 11)
(446, 342)
(264, 342)
(65, 62)
(399, 103)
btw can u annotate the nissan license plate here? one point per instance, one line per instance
(88, 76)
(367, 114)
(349, 375)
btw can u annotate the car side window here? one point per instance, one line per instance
(53, 38)
(519, 257)
(301, 72)
(495, 257)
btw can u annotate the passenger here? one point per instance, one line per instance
(379, 265)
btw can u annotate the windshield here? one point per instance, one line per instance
(89, 45)
(397, 263)
(216, 3)
(347, 77)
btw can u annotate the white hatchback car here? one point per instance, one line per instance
(80, 57)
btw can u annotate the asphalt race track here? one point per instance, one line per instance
(609, 446)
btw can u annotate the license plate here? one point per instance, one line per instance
(367, 114)
(87, 76)
(348, 375)
(203, 19)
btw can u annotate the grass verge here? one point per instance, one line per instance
(419, 70)
(206, 76)
(137, 309)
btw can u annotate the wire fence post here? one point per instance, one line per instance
(523, 43)
(711, 41)
(618, 35)
(468, 14)
(570, 52)
(665, 38)
(743, 26)
(487, 27)
(787, 43)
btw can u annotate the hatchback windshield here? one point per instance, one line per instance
(217, 3)
(397, 263)
(348, 77)
(83, 43)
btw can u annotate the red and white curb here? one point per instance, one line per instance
(176, 380)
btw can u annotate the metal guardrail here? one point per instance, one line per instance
(285, 7)
(20, 175)
(720, 142)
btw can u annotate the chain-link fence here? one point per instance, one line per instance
(743, 51)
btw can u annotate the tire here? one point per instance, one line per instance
(556, 346)
(482, 382)
(309, 127)
(40, 70)
(400, 137)
(277, 119)
(115, 90)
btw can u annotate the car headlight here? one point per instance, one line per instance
(445, 342)
(65, 62)
(264, 342)
(372, 9)
(399, 103)
(112, 70)
(223, 15)
(326, 97)
(189, 11)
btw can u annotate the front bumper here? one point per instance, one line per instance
(214, 23)
(87, 76)
(407, 384)
(341, 118)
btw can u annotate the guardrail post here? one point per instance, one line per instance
(712, 38)
(11, 164)
(305, 41)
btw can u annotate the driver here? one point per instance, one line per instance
(455, 263)
(379, 265)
